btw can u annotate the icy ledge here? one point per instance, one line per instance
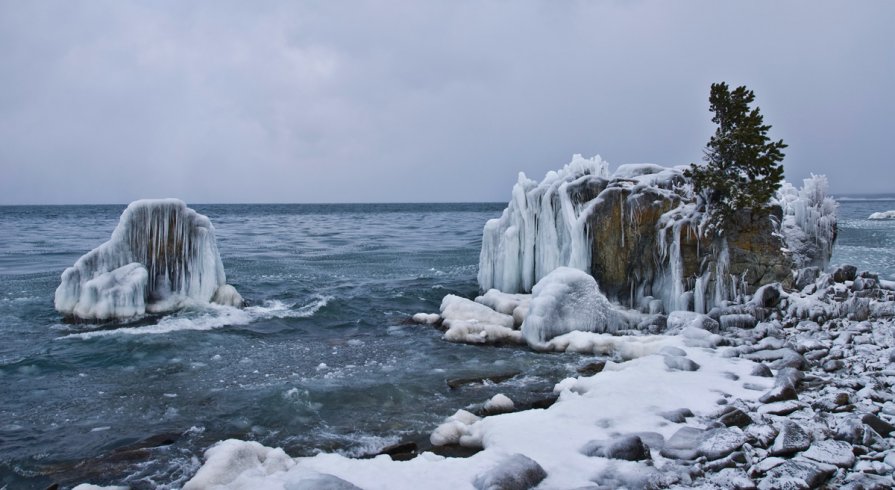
(162, 256)
(883, 215)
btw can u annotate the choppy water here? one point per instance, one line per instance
(324, 359)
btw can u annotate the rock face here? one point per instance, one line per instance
(161, 256)
(639, 233)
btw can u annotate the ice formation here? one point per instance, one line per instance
(541, 229)
(883, 215)
(161, 256)
(474, 323)
(641, 233)
(809, 221)
(566, 300)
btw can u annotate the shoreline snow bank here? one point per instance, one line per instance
(627, 397)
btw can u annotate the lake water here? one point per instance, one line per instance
(323, 360)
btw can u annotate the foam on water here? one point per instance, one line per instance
(212, 317)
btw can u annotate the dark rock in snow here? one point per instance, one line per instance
(718, 443)
(678, 416)
(836, 453)
(845, 273)
(762, 370)
(684, 443)
(734, 417)
(591, 368)
(680, 363)
(881, 427)
(628, 447)
(791, 439)
(515, 472)
(795, 474)
(779, 393)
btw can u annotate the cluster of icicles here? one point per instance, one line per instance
(543, 227)
(162, 256)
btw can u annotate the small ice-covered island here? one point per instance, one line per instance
(162, 256)
(882, 215)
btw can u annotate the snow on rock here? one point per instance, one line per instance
(499, 403)
(161, 256)
(567, 300)
(460, 428)
(474, 323)
(427, 318)
(516, 305)
(230, 462)
(883, 215)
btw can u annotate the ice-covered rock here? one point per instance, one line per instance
(161, 256)
(809, 221)
(567, 300)
(641, 233)
(883, 215)
(474, 323)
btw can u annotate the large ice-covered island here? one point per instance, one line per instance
(162, 256)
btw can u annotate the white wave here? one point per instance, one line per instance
(213, 317)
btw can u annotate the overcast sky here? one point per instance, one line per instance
(353, 101)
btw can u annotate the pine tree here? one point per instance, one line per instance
(743, 169)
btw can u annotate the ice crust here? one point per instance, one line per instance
(883, 215)
(161, 256)
(567, 300)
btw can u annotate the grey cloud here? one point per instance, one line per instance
(418, 101)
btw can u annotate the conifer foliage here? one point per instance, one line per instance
(742, 169)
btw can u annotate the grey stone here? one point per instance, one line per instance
(784, 407)
(845, 273)
(677, 416)
(718, 443)
(851, 430)
(670, 350)
(795, 474)
(767, 296)
(628, 448)
(321, 482)
(680, 363)
(683, 444)
(515, 472)
(881, 427)
(837, 453)
(779, 393)
(832, 365)
(791, 439)
(735, 418)
(762, 370)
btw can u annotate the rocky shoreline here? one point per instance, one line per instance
(823, 417)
